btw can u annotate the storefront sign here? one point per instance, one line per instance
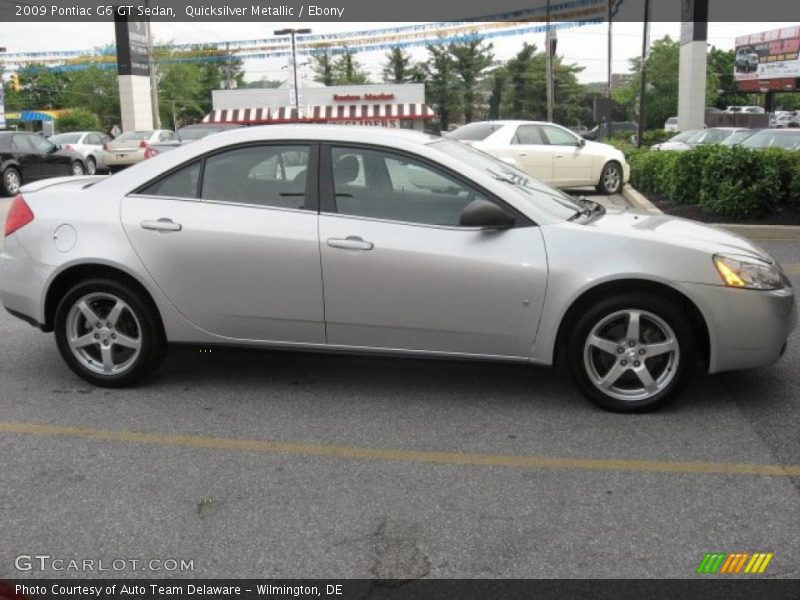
(391, 123)
(362, 97)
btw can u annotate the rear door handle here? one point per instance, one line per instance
(351, 242)
(162, 225)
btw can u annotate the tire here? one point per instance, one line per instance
(100, 355)
(626, 375)
(12, 181)
(78, 169)
(91, 165)
(610, 179)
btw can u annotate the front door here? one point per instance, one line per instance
(532, 154)
(28, 158)
(236, 253)
(572, 164)
(400, 273)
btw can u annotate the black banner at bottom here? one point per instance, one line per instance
(425, 589)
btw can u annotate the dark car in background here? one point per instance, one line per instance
(187, 134)
(601, 132)
(27, 157)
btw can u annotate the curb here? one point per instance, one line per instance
(638, 201)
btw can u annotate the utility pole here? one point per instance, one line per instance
(2, 98)
(643, 71)
(610, 68)
(549, 67)
(293, 32)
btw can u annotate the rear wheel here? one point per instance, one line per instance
(611, 179)
(91, 165)
(108, 334)
(12, 181)
(633, 353)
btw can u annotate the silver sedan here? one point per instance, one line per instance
(337, 239)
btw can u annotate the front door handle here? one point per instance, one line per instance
(352, 242)
(162, 225)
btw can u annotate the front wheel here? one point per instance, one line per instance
(633, 353)
(610, 179)
(108, 334)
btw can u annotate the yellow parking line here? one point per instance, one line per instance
(414, 456)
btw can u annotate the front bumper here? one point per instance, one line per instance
(747, 328)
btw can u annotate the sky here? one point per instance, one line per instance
(586, 46)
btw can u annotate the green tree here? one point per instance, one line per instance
(441, 86)
(179, 94)
(347, 70)
(94, 90)
(498, 81)
(78, 120)
(470, 62)
(264, 82)
(322, 67)
(398, 67)
(723, 89)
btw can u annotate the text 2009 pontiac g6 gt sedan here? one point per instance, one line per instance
(352, 240)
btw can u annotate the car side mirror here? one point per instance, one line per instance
(581, 142)
(55, 148)
(485, 214)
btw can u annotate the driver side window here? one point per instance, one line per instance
(383, 185)
(559, 137)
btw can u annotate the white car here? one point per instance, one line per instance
(129, 148)
(671, 124)
(88, 144)
(549, 152)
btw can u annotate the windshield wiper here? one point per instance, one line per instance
(590, 208)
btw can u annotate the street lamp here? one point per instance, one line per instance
(294, 32)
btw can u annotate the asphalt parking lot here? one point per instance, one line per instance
(263, 464)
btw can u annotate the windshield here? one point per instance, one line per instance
(774, 139)
(553, 201)
(736, 138)
(65, 138)
(474, 132)
(709, 136)
(134, 135)
(683, 136)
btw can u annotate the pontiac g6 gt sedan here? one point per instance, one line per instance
(333, 238)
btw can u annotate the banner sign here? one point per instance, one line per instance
(771, 54)
(132, 45)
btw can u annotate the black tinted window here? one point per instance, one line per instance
(528, 134)
(474, 132)
(180, 184)
(381, 185)
(263, 175)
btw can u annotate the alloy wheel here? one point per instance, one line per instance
(12, 183)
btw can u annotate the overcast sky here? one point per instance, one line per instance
(585, 46)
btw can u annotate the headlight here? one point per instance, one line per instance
(748, 273)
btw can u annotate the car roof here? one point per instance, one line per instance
(341, 133)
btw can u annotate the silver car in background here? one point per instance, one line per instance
(331, 238)
(88, 144)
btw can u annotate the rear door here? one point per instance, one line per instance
(532, 154)
(232, 241)
(28, 158)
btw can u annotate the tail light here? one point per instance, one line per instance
(19, 215)
(67, 146)
(143, 144)
(105, 146)
(150, 152)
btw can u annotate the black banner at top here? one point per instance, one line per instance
(407, 10)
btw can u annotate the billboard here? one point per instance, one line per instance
(771, 54)
(132, 45)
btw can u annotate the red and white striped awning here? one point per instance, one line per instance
(350, 113)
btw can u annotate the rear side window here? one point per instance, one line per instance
(179, 184)
(261, 175)
(474, 132)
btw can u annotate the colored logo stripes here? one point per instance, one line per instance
(734, 563)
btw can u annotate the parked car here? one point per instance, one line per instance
(705, 137)
(184, 135)
(676, 141)
(745, 109)
(785, 118)
(671, 124)
(737, 137)
(89, 144)
(129, 147)
(601, 132)
(27, 157)
(788, 139)
(215, 243)
(549, 152)
(746, 60)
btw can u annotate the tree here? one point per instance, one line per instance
(264, 82)
(78, 120)
(95, 90)
(322, 67)
(470, 61)
(497, 82)
(441, 87)
(347, 70)
(398, 67)
(179, 94)
(723, 89)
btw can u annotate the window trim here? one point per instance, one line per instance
(312, 170)
(327, 193)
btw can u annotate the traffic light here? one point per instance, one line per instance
(15, 82)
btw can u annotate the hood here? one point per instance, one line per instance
(676, 231)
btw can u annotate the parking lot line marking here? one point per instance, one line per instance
(418, 456)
